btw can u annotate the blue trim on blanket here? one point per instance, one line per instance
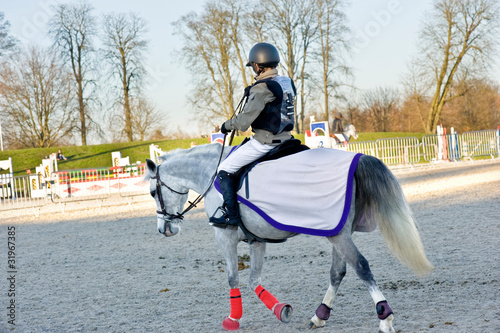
(309, 231)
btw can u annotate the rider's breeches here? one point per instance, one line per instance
(246, 154)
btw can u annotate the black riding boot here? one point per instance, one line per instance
(231, 214)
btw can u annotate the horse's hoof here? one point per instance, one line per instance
(312, 325)
(283, 312)
(230, 324)
(316, 322)
(386, 325)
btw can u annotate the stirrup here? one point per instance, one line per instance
(223, 220)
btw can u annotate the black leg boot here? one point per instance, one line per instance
(231, 214)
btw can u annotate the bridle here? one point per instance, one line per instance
(167, 217)
(159, 183)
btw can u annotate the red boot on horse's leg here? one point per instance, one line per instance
(282, 311)
(231, 323)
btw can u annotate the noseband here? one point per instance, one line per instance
(163, 211)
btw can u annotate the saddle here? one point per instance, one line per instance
(339, 137)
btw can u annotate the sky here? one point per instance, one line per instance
(386, 32)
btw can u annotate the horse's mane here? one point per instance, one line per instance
(202, 152)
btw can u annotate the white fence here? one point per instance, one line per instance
(440, 147)
(22, 192)
(126, 181)
(480, 143)
(363, 147)
(398, 151)
(72, 185)
(130, 181)
(433, 148)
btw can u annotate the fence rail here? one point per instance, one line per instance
(78, 185)
(479, 143)
(398, 151)
(18, 192)
(32, 191)
(363, 147)
(130, 182)
(433, 148)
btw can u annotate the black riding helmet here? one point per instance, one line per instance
(264, 54)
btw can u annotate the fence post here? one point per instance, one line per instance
(498, 141)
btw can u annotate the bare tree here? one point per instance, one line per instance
(36, 96)
(124, 46)
(410, 117)
(457, 40)
(255, 23)
(291, 27)
(416, 102)
(7, 41)
(333, 45)
(381, 104)
(145, 117)
(73, 28)
(237, 14)
(477, 109)
(214, 52)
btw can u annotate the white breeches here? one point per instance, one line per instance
(246, 154)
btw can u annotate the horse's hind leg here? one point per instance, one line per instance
(282, 311)
(349, 253)
(337, 273)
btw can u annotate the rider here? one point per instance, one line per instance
(337, 127)
(269, 109)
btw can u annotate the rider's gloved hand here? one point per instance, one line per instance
(223, 129)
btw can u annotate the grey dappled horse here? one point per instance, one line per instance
(378, 197)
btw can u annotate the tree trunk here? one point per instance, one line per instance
(126, 99)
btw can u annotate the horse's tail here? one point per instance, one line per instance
(379, 196)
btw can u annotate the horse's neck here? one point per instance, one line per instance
(196, 166)
(347, 133)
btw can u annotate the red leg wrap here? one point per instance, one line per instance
(236, 304)
(266, 297)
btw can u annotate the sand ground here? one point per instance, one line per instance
(107, 269)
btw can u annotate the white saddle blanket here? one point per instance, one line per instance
(308, 192)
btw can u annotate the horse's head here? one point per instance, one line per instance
(350, 130)
(170, 199)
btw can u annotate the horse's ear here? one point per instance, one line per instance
(151, 166)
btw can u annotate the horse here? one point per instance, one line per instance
(342, 140)
(319, 138)
(377, 197)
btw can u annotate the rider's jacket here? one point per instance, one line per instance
(337, 126)
(264, 109)
(278, 115)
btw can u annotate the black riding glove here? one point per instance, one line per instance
(223, 129)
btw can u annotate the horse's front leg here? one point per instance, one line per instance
(337, 273)
(228, 243)
(282, 311)
(257, 252)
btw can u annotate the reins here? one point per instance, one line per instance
(201, 196)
